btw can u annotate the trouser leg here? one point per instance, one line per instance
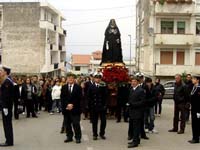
(103, 122)
(8, 128)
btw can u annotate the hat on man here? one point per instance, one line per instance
(139, 74)
(6, 69)
(97, 75)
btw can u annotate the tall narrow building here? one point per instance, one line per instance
(168, 37)
(32, 38)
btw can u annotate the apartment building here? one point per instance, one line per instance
(32, 38)
(168, 37)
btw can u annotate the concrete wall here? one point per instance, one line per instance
(22, 47)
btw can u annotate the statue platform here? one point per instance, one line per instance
(103, 65)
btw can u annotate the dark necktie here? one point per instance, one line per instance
(70, 89)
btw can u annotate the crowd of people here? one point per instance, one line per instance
(139, 101)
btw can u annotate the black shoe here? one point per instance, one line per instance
(118, 121)
(35, 116)
(193, 141)
(5, 145)
(103, 137)
(145, 138)
(78, 141)
(68, 140)
(132, 145)
(180, 132)
(27, 116)
(94, 138)
(172, 130)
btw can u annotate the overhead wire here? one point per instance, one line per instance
(98, 9)
(97, 21)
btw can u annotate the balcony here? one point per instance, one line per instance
(171, 70)
(186, 8)
(174, 39)
(197, 39)
(46, 24)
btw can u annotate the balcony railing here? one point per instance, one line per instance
(174, 39)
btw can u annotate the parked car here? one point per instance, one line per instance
(169, 89)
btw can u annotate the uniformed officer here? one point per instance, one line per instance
(195, 105)
(97, 95)
(7, 87)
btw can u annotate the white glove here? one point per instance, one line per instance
(198, 115)
(127, 104)
(5, 111)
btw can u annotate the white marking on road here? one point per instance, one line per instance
(85, 137)
(90, 148)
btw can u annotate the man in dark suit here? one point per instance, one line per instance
(195, 103)
(7, 88)
(19, 97)
(136, 105)
(143, 86)
(97, 95)
(71, 95)
(87, 85)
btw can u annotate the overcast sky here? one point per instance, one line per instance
(86, 21)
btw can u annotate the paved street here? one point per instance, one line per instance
(43, 134)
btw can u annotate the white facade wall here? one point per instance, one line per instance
(149, 58)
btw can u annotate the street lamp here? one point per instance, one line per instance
(130, 52)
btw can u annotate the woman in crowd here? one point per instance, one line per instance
(30, 91)
(56, 91)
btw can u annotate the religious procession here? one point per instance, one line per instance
(116, 106)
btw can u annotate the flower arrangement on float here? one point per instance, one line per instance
(115, 74)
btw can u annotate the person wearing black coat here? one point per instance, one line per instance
(151, 99)
(160, 94)
(180, 101)
(122, 99)
(189, 86)
(136, 111)
(195, 109)
(20, 94)
(7, 94)
(71, 95)
(97, 95)
(87, 105)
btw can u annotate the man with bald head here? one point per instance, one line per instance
(180, 100)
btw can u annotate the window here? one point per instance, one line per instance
(166, 57)
(180, 58)
(77, 68)
(167, 27)
(181, 27)
(198, 28)
(197, 58)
